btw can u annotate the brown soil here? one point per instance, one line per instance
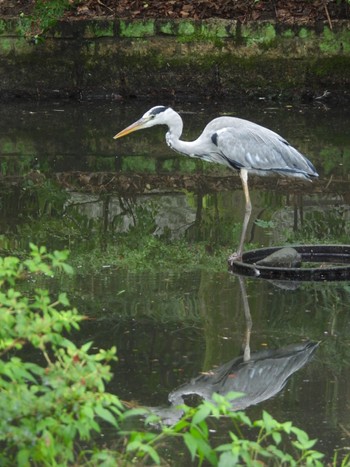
(284, 11)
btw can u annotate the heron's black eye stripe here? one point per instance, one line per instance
(158, 110)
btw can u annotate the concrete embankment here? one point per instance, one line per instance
(213, 58)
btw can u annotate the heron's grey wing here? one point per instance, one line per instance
(247, 145)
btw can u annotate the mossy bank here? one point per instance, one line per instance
(213, 58)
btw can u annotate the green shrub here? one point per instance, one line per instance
(251, 443)
(44, 16)
(45, 409)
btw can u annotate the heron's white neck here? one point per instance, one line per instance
(172, 137)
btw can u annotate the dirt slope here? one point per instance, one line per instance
(286, 11)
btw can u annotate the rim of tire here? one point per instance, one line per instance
(333, 264)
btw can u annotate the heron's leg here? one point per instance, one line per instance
(248, 210)
(248, 320)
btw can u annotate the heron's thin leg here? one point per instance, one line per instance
(248, 320)
(248, 210)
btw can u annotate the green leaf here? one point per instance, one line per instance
(228, 459)
(269, 421)
(202, 413)
(63, 299)
(305, 445)
(287, 427)
(23, 457)
(86, 347)
(146, 448)
(320, 455)
(277, 437)
(106, 415)
(191, 444)
(242, 417)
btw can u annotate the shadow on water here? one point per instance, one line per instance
(67, 184)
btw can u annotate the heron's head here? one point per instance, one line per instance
(156, 116)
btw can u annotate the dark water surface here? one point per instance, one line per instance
(168, 326)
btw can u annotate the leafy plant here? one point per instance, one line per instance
(45, 14)
(251, 443)
(47, 408)
(265, 224)
(323, 226)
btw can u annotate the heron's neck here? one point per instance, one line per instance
(174, 134)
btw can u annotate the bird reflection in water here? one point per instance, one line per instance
(257, 376)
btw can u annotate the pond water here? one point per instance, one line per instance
(171, 325)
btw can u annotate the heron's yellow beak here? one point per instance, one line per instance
(129, 129)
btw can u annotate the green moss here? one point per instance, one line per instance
(288, 34)
(167, 28)
(213, 30)
(137, 28)
(16, 147)
(5, 45)
(2, 26)
(139, 164)
(122, 63)
(168, 165)
(99, 29)
(337, 66)
(261, 34)
(21, 46)
(335, 42)
(16, 44)
(329, 43)
(304, 33)
(186, 28)
(188, 165)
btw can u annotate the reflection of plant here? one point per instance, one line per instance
(323, 226)
(143, 223)
(265, 224)
(335, 161)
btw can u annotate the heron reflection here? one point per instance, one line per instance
(258, 376)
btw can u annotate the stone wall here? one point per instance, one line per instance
(214, 59)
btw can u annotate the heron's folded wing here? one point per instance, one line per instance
(254, 147)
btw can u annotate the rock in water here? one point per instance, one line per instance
(284, 258)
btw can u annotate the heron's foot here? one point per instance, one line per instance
(236, 256)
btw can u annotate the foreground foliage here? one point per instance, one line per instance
(251, 443)
(45, 408)
(51, 410)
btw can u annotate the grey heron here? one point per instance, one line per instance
(236, 143)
